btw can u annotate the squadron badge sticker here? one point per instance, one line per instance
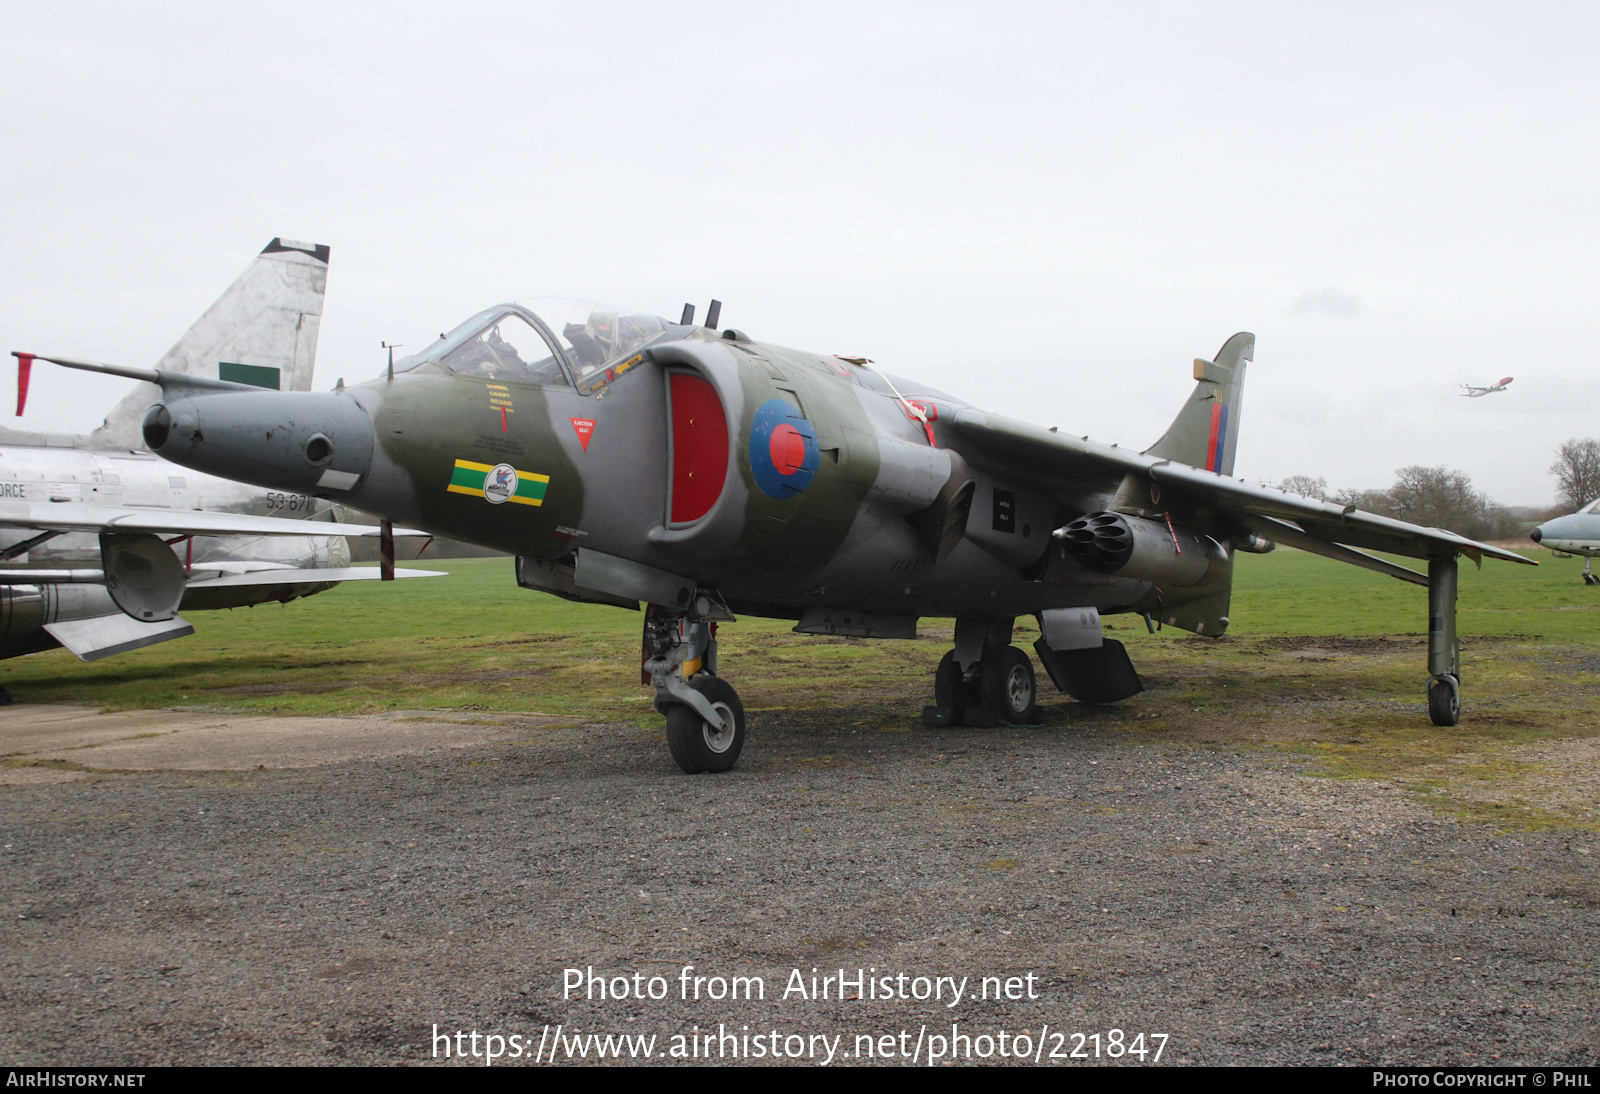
(501, 484)
(498, 484)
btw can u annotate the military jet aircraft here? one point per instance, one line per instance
(82, 562)
(625, 458)
(1574, 534)
(1471, 392)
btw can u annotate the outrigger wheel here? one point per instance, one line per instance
(695, 743)
(1444, 701)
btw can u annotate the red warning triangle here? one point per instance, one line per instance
(585, 428)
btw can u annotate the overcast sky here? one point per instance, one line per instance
(1048, 209)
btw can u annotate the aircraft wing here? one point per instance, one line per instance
(1318, 526)
(74, 517)
(292, 575)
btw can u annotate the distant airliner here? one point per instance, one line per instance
(1477, 392)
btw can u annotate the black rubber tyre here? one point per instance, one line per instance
(949, 690)
(694, 742)
(1444, 703)
(1009, 686)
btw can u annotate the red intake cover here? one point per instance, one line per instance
(699, 447)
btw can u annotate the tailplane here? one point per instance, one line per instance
(1205, 433)
(262, 331)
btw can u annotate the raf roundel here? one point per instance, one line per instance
(783, 450)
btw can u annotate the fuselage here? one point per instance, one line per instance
(790, 482)
(1575, 534)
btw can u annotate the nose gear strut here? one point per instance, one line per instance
(705, 719)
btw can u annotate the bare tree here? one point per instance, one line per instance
(1373, 501)
(1435, 497)
(1577, 472)
(1439, 497)
(1305, 486)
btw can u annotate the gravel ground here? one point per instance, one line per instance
(337, 913)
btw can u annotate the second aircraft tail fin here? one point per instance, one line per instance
(262, 331)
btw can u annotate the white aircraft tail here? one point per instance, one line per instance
(262, 331)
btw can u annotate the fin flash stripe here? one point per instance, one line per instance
(1219, 437)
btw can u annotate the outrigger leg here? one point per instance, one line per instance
(705, 720)
(1444, 652)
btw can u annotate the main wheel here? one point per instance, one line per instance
(1009, 687)
(695, 743)
(949, 689)
(1444, 702)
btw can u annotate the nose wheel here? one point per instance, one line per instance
(695, 743)
(705, 720)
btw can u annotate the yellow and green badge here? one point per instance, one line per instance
(498, 483)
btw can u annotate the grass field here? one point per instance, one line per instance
(1321, 659)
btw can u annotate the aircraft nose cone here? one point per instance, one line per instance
(1537, 535)
(296, 441)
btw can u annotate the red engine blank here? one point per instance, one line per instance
(699, 447)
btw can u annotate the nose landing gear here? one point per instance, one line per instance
(705, 719)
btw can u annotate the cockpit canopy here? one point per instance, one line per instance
(565, 343)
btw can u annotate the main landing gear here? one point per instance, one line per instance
(983, 681)
(986, 680)
(705, 720)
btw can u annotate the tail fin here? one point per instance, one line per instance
(1205, 433)
(262, 331)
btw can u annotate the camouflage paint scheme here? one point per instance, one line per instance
(841, 543)
(848, 499)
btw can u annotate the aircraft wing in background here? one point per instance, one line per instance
(71, 517)
(145, 578)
